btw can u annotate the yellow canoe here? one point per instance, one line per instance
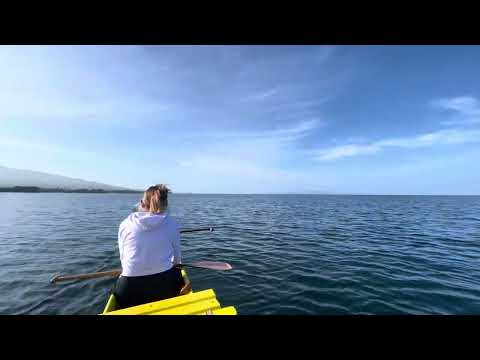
(189, 303)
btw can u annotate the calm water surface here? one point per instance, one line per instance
(291, 254)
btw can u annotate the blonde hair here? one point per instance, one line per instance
(155, 199)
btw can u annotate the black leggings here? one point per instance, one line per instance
(137, 290)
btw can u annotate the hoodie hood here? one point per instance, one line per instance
(146, 220)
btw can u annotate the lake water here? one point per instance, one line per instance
(292, 254)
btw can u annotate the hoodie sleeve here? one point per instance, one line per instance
(121, 231)
(177, 253)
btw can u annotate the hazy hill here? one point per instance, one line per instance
(15, 177)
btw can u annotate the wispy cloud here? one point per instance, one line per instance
(464, 104)
(349, 140)
(294, 107)
(16, 143)
(57, 83)
(466, 109)
(441, 137)
(262, 95)
(338, 152)
(301, 128)
(253, 155)
(37, 109)
(282, 134)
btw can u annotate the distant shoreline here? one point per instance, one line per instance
(35, 189)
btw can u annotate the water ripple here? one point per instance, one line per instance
(291, 254)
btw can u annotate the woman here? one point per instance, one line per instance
(149, 245)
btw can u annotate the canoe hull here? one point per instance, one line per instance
(189, 303)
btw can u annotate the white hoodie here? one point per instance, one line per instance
(148, 244)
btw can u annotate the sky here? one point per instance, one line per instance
(246, 119)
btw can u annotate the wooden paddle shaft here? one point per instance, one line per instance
(112, 273)
(95, 275)
(195, 230)
(212, 265)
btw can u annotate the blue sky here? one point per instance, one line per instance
(246, 119)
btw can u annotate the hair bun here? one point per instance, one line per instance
(163, 190)
(156, 198)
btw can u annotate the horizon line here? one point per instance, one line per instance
(321, 194)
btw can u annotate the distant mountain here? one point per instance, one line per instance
(15, 177)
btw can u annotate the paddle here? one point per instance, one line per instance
(204, 265)
(59, 278)
(195, 230)
(212, 265)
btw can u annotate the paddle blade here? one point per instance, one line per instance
(214, 265)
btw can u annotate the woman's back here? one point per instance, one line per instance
(148, 244)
